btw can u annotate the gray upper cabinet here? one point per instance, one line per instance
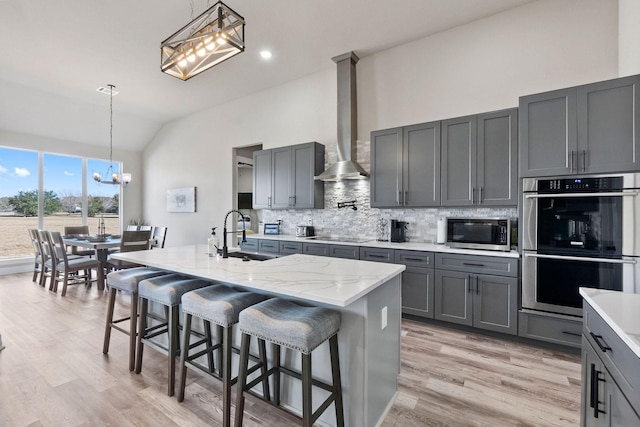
(497, 169)
(262, 179)
(283, 177)
(547, 136)
(584, 129)
(607, 116)
(405, 166)
(479, 158)
(459, 153)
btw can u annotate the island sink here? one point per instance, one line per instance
(251, 256)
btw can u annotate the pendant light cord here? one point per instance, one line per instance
(111, 87)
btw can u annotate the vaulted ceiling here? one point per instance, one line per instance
(54, 54)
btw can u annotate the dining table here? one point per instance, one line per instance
(100, 246)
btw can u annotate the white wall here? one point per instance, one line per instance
(628, 37)
(197, 151)
(482, 66)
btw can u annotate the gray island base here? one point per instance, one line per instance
(367, 294)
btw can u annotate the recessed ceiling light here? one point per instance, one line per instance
(265, 54)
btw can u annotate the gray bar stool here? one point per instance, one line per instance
(167, 291)
(300, 328)
(126, 281)
(220, 305)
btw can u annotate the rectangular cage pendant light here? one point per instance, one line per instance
(214, 36)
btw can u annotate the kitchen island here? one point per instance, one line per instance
(367, 294)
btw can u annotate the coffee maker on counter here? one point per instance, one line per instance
(398, 231)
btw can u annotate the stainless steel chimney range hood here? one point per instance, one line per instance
(346, 167)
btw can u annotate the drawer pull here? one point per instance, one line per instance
(603, 345)
(415, 259)
(473, 264)
(573, 334)
(376, 256)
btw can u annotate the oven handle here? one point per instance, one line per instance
(604, 194)
(582, 258)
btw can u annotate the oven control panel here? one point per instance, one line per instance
(570, 185)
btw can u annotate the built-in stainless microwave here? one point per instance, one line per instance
(480, 233)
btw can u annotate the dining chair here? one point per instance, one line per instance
(38, 265)
(48, 264)
(131, 241)
(145, 228)
(65, 265)
(79, 229)
(158, 237)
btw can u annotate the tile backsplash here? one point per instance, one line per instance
(346, 222)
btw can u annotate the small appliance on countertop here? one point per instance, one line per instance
(305, 231)
(271, 228)
(398, 231)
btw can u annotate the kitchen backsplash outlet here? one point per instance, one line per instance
(331, 221)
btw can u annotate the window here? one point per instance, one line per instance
(18, 201)
(69, 197)
(62, 178)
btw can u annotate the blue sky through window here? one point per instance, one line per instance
(62, 174)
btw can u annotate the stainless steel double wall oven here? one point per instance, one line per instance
(578, 232)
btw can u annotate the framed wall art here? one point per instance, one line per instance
(181, 199)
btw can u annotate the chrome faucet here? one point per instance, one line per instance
(225, 249)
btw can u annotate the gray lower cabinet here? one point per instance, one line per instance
(376, 254)
(584, 129)
(344, 251)
(554, 329)
(266, 245)
(417, 282)
(610, 376)
(283, 177)
(319, 249)
(479, 158)
(251, 245)
(466, 293)
(405, 166)
(290, 247)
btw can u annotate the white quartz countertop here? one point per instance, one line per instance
(333, 281)
(621, 311)
(410, 246)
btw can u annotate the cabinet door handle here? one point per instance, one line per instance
(603, 345)
(571, 160)
(399, 198)
(477, 286)
(473, 195)
(269, 201)
(574, 334)
(404, 198)
(468, 284)
(584, 160)
(594, 399)
(593, 395)
(480, 196)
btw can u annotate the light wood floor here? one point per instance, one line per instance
(53, 373)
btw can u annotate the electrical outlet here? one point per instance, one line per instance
(309, 221)
(383, 317)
